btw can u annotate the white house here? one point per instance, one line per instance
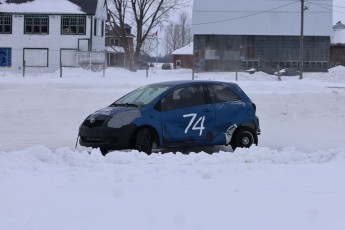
(42, 35)
(233, 34)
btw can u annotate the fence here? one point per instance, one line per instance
(91, 60)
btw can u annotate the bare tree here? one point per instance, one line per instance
(186, 29)
(146, 16)
(178, 34)
(172, 37)
(118, 17)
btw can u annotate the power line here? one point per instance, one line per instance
(323, 7)
(245, 16)
(326, 5)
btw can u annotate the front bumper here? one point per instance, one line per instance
(106, 137)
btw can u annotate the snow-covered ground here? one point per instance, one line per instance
(294, 178)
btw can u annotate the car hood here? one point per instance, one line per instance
(115, 117)
(113, 110)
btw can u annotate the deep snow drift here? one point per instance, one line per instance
(292, 180)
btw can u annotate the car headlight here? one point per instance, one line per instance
(124, 118)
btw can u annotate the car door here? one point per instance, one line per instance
(186, 118)
(229, 111)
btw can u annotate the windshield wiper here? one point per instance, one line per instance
(125, 105)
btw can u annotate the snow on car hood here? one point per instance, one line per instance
(111, 111)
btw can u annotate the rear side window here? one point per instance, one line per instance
(183, 97)
(221, 93)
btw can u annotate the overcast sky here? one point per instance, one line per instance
(339, 11)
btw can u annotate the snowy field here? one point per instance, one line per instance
(294, 178)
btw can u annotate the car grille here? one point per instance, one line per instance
(96, 123)
(90, 139)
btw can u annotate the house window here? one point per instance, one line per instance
(116, 58)
(98, 27)
(95, 27)
(229, 44)
(73, 25)
(114, 42)
(5, 24)
(318, 65)
(36, 57)
(128, 30)
(5, 57)
(36, 24)
(102, 28)
(306, 65)
(281, 64)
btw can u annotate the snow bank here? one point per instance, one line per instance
(292, 180)
(41, 156)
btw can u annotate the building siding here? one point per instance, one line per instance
(266, 53)
(186, 61)
(231, 35)
(260, 17)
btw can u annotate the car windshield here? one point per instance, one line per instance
(141, 96)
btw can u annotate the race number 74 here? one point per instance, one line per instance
(196, 125)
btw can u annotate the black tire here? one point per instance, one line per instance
(144, 141)
(104, 151)
(244, 138)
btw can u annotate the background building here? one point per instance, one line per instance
(115, 50)
(41, 36)
(183, 57)
(338, 45)
(264, 34)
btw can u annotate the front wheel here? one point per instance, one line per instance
(104, 151)
(244, 138)
(144, 141)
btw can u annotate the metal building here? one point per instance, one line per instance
(264, 34)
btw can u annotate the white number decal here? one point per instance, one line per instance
(198, 125)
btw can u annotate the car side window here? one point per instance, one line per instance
(183, 97)
(221, 93)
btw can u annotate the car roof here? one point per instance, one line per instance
(186, 82)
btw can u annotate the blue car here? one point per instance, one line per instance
(173, 114)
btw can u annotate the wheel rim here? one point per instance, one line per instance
(247, 139)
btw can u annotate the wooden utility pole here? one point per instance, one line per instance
(301, 59)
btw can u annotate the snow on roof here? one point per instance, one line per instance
(338, 34)
(48, 6)
(186, 50)
(115, 49)
(339, 25)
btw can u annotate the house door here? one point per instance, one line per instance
(178, 64)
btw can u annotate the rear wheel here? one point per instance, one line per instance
(244, 138)
(144, 141)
